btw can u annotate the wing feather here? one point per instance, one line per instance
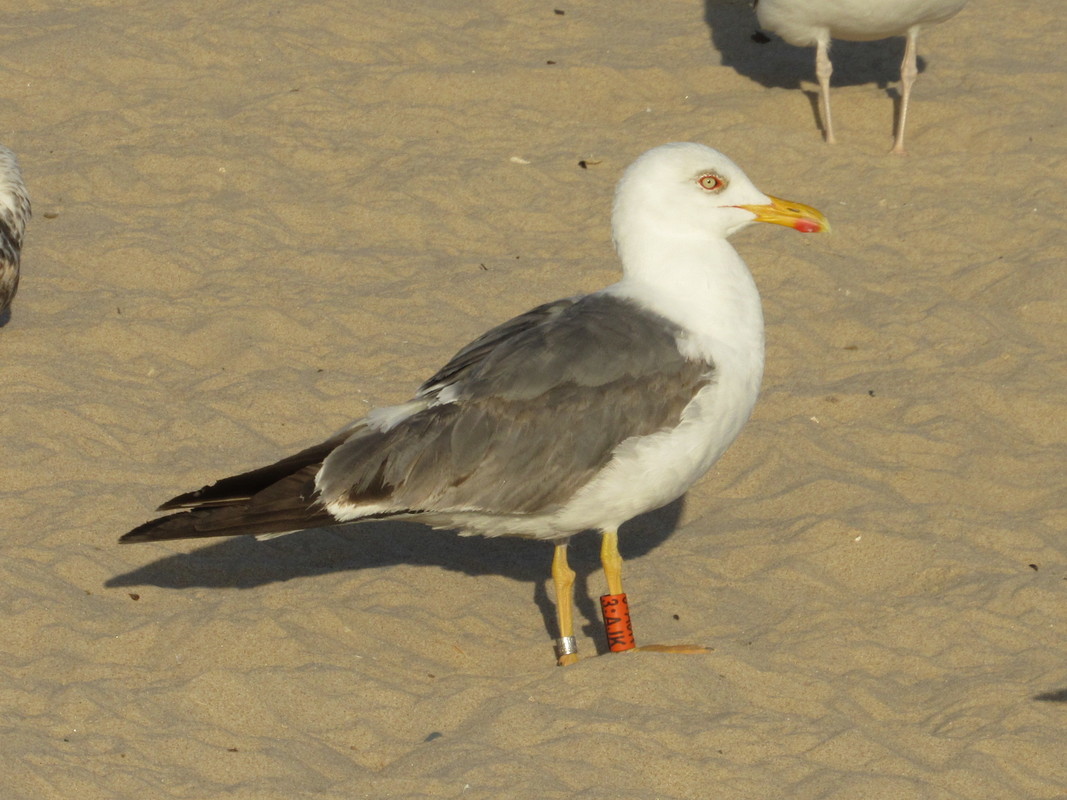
(536, 408)
(515, 423)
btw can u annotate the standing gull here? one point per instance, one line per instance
(580, 414)
(815, 22)
(14, 211)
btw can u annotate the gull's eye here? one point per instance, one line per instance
(711, 182)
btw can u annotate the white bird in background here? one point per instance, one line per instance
(815, 22)
(14, 211)
(580, 414)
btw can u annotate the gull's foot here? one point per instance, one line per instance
(682, 649)
(685, 649)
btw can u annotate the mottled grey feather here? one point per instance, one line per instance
(14, 212)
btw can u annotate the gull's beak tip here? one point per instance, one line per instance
(798, 216)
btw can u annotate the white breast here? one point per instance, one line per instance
(804, 22)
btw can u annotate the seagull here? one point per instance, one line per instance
(815, 22)
(577, 415)
(14, 212)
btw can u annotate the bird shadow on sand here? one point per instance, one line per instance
(773, 63)
(243, 563)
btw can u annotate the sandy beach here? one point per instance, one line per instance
(255, 221)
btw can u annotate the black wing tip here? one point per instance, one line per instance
(157, 529)
(230, 520)
(181, 501)
(196, 499)
(133, 537)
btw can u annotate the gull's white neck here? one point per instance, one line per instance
(701, 284)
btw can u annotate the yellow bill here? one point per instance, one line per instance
(793, 215)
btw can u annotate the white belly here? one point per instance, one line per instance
(804, 22)
(645, 473)
(652, 471)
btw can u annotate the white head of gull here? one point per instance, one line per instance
(807, 23)
(579, 414)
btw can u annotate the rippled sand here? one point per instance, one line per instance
(256, 220)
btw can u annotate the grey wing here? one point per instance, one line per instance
(524, 416)
(475, 353)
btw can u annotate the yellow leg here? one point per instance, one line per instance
(612, 560)
(617, 626)
(563, 579)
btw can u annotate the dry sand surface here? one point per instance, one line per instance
(255, 220)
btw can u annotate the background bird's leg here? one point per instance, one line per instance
(823, 70)
(563, 580)
(616, 610)
(909, 70)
